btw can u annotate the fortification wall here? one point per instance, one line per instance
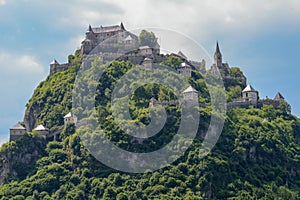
(248, 104)
(59, 68)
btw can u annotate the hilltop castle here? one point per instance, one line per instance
(110, 43)
(115, 42)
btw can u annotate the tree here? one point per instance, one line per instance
(147, 38)
(202, 66)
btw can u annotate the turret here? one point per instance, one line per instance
(89, 33)
(185, 69)
(250, 94)
(190, 94)
(147, 63)
(16, 132)
(54, 65)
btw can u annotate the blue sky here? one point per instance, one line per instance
(261, 37)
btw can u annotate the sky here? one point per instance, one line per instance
(260, 37)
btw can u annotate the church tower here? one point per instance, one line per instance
(218, 56)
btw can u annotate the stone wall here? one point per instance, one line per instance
(59, 68)
(248, 104)
(14, 137)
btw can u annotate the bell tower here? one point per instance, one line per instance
(218, 56)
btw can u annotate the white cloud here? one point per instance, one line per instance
(3, 139)
(19, 76)
(205, 17)
(2, 2)
(19, 65)
(201, 20)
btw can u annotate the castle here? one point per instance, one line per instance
(115, 42)
(110, 43)
(250, 98)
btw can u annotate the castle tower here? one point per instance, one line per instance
(147, 63)
(87, 46)
(70, 118)
(87, 43)
(250, 94)
(185, 69)
(89, 33)
(54, 65)
(218, 56)
(190, 94)
(42, 131)
(16, 132)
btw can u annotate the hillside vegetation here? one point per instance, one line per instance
(256, 157)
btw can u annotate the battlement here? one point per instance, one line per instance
(108, 39)
(250, 98)
(56, 67)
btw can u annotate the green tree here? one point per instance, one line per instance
(147, 38)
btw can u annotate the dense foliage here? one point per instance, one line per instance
(147, 38)
(256, 157)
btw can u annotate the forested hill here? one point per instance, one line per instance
(256, 157)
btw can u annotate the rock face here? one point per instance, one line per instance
(19, 158)
(29, 118)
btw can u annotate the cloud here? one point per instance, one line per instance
(205, 20)
(208, 16)
(2, 2)
(19, 66)
(19, 76)
(3, 139)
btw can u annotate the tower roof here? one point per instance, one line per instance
(41, 128)
(54, 62)
(128, 38)
(18, 126)
(70, 114)
(147, 59)
(90, 28)
(122, 26)
(184, 64)
(144, 47)
(190, 89)
(181, 55)
(107, 29)
(278, 96)
(218, 48)
(249, 88)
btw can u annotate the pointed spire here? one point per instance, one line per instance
(54, 62)
(90, 28)
(122, 26)
(218, 48)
